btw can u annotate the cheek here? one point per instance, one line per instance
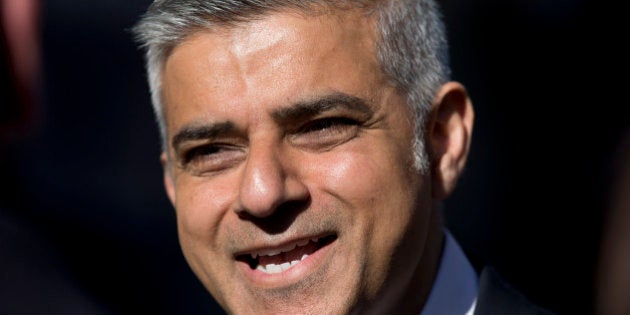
(376, 188)
(364, 176)
(379, 195)
(201, 205)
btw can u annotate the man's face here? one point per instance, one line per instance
(290, 166)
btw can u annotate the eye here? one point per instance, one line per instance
(199, 152)
(327, 124)
(210, 158)
(325, 132)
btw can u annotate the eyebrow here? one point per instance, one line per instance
(299, 111)
(191, 133)
(303, 110)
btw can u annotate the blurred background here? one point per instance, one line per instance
(86, 228)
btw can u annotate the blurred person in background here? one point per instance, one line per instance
(33, 278)
(613, 277)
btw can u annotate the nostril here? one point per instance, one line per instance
(280, 219)
(262, 196)
(260, 211)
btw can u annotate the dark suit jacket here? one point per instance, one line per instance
(495, 296)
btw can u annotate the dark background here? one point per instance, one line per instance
(544, 77)
(81, 196)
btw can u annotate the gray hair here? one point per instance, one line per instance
(412, 48)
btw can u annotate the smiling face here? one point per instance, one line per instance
(290, 166)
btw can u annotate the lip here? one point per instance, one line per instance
(294, 274)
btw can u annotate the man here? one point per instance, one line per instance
(307, 148)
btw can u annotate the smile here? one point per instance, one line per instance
(280, 259)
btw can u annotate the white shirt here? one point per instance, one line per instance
(455, 288)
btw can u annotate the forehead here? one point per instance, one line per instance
(284, 56)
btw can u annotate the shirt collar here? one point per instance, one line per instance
(455, 288)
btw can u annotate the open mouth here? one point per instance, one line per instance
(277, 260)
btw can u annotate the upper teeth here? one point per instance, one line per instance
(285, 249)
(273, 268)
(277, 268)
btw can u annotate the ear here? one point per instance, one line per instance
(169, 182)
(450, 130)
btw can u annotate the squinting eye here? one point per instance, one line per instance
(327, 124)
(325, 132)
(211, 158)
(199, 152)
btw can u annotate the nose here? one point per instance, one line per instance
(268, 182)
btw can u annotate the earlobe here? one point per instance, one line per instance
(169, 183)
(450, 130)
